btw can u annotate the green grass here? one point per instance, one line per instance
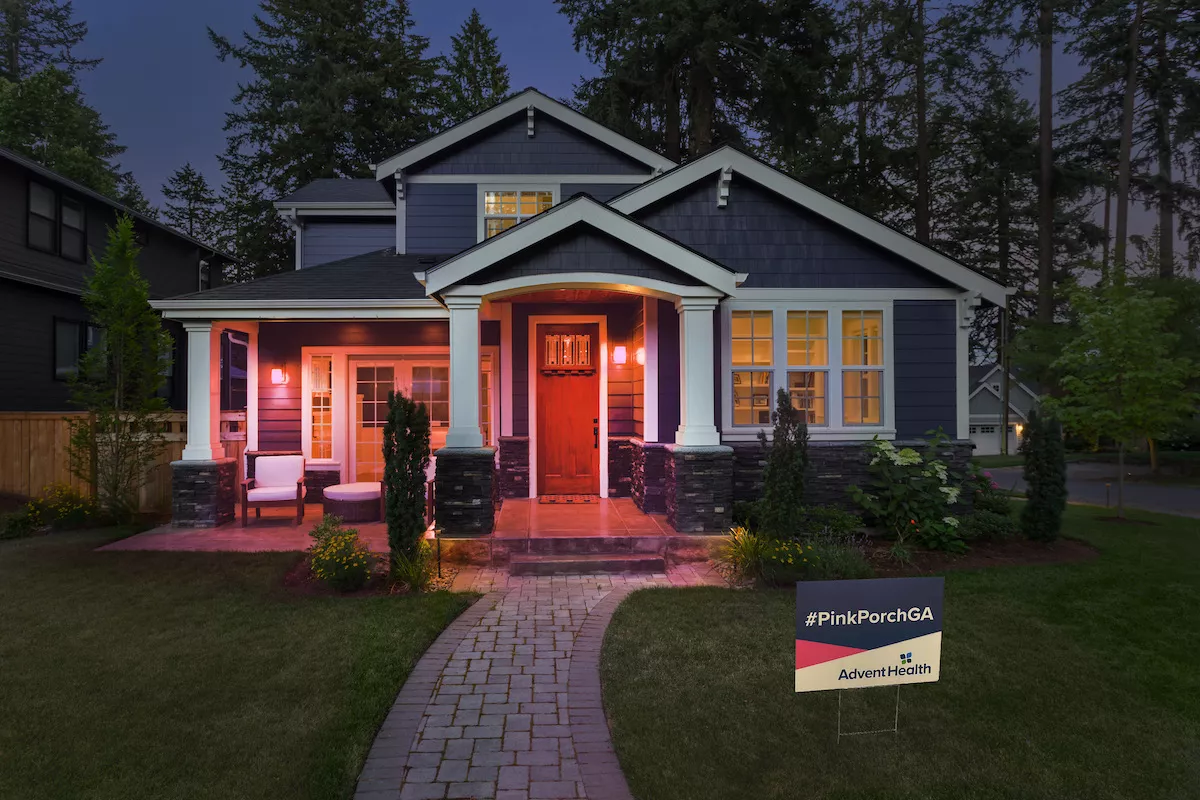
(191, 675)
(1066, 681)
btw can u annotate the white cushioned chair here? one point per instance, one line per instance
(277, 481)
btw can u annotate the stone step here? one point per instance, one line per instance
(598, 545)
(581, 564)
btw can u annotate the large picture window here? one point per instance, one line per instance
(831, 361)
(505, 208)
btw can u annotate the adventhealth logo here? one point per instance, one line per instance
(866, 617)
(887, 672)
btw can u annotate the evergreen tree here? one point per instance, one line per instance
(119, 380)
(1045, 474)
(475, 77)
(336, 85)
(39, 33)
(191, 206)
(405, 459)
(45, 118)
(130, 195)
(782, 503)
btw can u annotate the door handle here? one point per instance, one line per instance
(596, 438)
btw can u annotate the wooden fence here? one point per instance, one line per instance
(33, 454)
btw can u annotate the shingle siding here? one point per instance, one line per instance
(441, 217)
(507, 149)
(583, 250)
(925, 373)
(778, 243)
(326, 241)
(600, 191)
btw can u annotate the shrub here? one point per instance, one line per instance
(1045, 477)
(762, 560)
(413, 573)
(828, 520)
(328, 526)
(340, 559)
(910, 495)
(743, 555)
(63, 508)
(745, 514)
(988, 526)
(787, 462)
(25, 521)
(986, 494)
(405, 459)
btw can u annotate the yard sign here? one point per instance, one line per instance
(851, 634)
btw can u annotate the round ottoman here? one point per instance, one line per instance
(354, 502)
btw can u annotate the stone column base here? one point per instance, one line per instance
(699, 488)
(649, 485)
(514, 466)
(463, 502)
(203, 493)
(620, 466)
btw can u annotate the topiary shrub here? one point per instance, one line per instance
(787, 462)
(405, 459)
(1045, 477)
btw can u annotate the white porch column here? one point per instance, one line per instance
(697, 426)
(464, 372)
(203, 393)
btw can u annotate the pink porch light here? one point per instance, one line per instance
(639, 356)
(278, 376)
(620, 355)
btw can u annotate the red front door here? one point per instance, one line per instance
(568, 408)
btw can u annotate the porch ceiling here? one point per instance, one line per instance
(570, 296)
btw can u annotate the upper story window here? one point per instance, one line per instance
(56, 223)
(504, 208)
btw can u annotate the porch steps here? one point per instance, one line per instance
(585, 563)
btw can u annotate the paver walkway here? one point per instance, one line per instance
(506, 703)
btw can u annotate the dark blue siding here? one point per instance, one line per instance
(601, 191)
(507, 149)
(583, 250)
(778, 243)
(441, 217)
(924, 336)
(326, 241)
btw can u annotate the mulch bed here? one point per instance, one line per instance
(301, 581)
(982, 555)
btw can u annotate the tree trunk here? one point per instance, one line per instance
(1153, 448)
(1166, 198)
(860, 137)
(1125, 162)
(1106, 247)
(1121, 480)
(673, 135)
(1045, 303)
(1003, 249)
(15, 15)
(923, 155)
(701, 110)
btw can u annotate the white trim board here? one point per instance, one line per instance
(835, 212)
(528, 177)
(531, 380)
(521, 103)
(579, 210)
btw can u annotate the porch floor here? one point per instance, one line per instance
(518, 519)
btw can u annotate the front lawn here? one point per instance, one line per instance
(191, 675)
(1070, 681)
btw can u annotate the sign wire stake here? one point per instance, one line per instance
(895, 729)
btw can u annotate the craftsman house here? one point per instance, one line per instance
(580, 316)
(987, 404)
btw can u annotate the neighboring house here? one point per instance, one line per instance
(582, 316)
(49, 226)
(987, 392)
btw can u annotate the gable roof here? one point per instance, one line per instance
(529, 98)
(890, 239)
(580, 210)
(78, 188)
(324, 191)
(980, 374)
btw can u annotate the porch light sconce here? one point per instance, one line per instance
(639, 356)
(279, 376)
(619, 354)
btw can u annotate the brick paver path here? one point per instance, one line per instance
(506, 703)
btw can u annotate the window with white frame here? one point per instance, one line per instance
(321, 386)
(502, 209)
(753, 357)
(862, 367)
(831, 360)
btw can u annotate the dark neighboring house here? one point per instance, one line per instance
(49, 227)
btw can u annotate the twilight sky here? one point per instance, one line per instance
(163, 92)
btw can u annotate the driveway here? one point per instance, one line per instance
(1086, 484)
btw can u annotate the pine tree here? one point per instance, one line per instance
(39, 33)
(1045, 474)
(336, 85)
(130, 195)
(191, 206)
(475, 78)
